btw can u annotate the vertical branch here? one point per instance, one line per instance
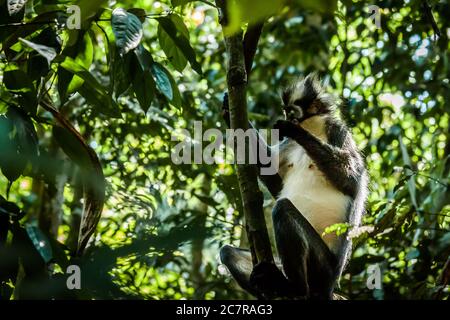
(252, 197)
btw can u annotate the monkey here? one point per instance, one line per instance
(321, 181)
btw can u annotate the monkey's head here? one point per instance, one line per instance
(306, 98)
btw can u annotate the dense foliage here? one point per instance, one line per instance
(86, 123)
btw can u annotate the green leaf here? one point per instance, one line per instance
(144, 57)
(176, 101)
(103, 102)
(322, 6)
(47, 52)
(138, 12)
(92, 90)
(71, 146)
(14, 6)
(121, 72)
(37, 67)
(144, 88)
(411, 181)
(176, 31)
(17, 80)
(11, 164)
(70, 65)
(173, 53)
(143, 85)
(245, 11)
(127, 29)
(177, 3)
(179, 23)
(162, 80)
(18, 141)
(20, 83)
(32, 26)
(82, 52)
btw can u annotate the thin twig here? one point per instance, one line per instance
(430, 17)
(23, 24)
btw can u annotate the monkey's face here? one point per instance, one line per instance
(304, 99)
(293, 113)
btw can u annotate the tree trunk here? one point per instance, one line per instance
(252, 196)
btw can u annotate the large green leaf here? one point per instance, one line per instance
(48, 53)
(92, 90)
(172, 51)
(18, 141)
(127, 30)
(245, 11)
(17, 80)
(82, 52)
(71, 146)
(20, 83)
(176, 31)
(70, 65)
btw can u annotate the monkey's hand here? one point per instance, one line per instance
(287, 129)
(226, 109)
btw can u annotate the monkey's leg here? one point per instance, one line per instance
(239, 263)
(272, 182)
(307, 261)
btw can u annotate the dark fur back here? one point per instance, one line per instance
(339, 136)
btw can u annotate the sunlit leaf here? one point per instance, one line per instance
(178, 36)
(48, 53)
(127, 29)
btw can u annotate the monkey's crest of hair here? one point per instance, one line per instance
(310, 94)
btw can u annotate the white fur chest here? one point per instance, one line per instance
(308, 189)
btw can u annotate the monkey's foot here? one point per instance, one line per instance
(269, 281)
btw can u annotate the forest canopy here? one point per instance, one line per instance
(96, 95)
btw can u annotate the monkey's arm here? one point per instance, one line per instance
(338, 164)
(273, 182)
